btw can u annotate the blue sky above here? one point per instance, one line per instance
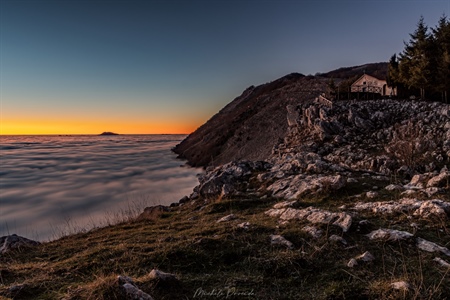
(181, 61)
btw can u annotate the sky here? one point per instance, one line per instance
(152, 67)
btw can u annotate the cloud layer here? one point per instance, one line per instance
(48, 184)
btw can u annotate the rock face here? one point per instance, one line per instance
(249, 127)
(15, 242)
(229, 179)
(382, 136)
(293, 141)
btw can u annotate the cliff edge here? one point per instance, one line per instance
(251, 125)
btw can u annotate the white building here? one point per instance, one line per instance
(370, 84)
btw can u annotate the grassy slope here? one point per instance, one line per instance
(209, 255)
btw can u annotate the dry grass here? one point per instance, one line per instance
(206, 255)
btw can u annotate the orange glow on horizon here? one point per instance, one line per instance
(42, 127)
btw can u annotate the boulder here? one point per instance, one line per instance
(15, 242)
(441, 180)
(156, 274)
(276, 239)
(442, 262)
(313, 215)
(401, 285)
(389, 234)
(227, 218)
(130, 291)
(428, 246)
(229, 179)
(365, 257)
(313, 231)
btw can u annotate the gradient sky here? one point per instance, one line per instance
(75, 67)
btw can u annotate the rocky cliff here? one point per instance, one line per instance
(332, 145)
(251, 125)
(306, 143)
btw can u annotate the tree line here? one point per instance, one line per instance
(423, 68)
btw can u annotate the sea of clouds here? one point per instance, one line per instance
(51, 186)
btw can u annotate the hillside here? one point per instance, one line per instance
(303, 198)
(378, 70)
(251, 124)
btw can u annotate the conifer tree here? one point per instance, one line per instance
(393, 76)
(415, 60)
(441, 49)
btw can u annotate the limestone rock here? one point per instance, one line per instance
(389, 234)
(431, 208)
(440, 180)
(313, 231)
(227, 218)
(365, 257)
(228, 179)
(428, 246)
(130, 290)
(313, 215)
(442, 262)
(15, 242)
(284, 204)
(371, 194)
(280, 240)
(352, 263)
(394, 187)
(337, 239)
(162, 276)
(421, 208)
(244, 225)
(401, 285)
(293, 187)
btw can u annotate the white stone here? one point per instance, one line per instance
(313, 231)
(394, 187)
(163, 276)
(313, 215)
(275, 212)
(366, 257)
(431, 247)
(441, 179)
(389, 234)
(442, 262)
(279, 240)
(371, 194)
(337, 239)
(245, 225)
(352, 262)
(400, 285)
(227, 218)
(432, 208)
(284, 204)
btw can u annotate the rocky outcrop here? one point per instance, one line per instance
(326, 145)
(313, 215)
(251, 125)
(228, 180)
(15, 242)
(421, 208)
(382, 136)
